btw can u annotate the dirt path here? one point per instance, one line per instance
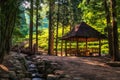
(86, 68)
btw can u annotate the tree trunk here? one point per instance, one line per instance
(57, 28)
(51, 30)
(66, 48)
(7, 24)
(2, 51)
(116, 55)
(63, 29)
(37, 6)
(109, 28)
(31, 27)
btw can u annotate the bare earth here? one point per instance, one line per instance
(86, 68)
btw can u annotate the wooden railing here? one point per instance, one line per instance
(83, 52)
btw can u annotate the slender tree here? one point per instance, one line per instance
(116, 55)
(109, 27)
(57, 27)
(31, 26)
(51, 28)
(64, 21)
(8, 8)
(37, 19)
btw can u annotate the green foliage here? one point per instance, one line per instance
(71, 13)
(93, 13)
(9, 10)
(17, 36)
(42, 38)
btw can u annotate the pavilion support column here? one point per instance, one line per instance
(65, 48)
(86, 51)
(70, 45)
(86, 44)
(62, 48)
(99, 47)
(77, 47)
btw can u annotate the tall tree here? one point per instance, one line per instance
(37, 19)
(31, 26)
(109, 27)
(116, 55)
(64, 20)
(8, 8)
(51, 28)
(57, 27)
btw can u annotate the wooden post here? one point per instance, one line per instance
(62, 48)
(65, 48)
(86, 44)
(70, 46)
(99, 47)
(86, 48)
(77, 46)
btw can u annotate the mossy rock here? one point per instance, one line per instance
(113, 64)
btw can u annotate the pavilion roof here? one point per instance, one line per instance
(83, 32)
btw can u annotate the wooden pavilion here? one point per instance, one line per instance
(83, 33)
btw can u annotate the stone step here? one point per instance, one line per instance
(37, 75)
(37, 79)
(4, 75)
(4, 78)
(26, 79)
(51, 77)
(32, 70)
(32, 66)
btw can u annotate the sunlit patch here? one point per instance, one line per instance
(73, 57)
(26, 4)
(59, 55)
(95, 63)
(4, 68)
(76, 27)
(118, 72)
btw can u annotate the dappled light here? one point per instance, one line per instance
(95, 63)
(4, 68)
(73, 57)
(59, 40)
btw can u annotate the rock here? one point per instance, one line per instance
(12, 74)
(28, 74)
(32, 66)
(58, 72)
(51, 77)
(3, 75)
(19, 71)
(40, 63)
(21, 75)
(37, 75)
(113, 63)
(78, 78)
(26, 79)
(54, 65)
(18, 67)
(33, 70)
(12, 68)
(6, 76)
(37, 79)
(50, 70)
(65, 79)
(67, 76)
(4, 79)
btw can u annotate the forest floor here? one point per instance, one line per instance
(80, 68)
(86, 68)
